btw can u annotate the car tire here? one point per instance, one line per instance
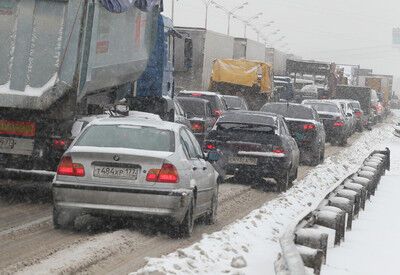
(211, 217)
(185, 228)
(283, 182)
(56, 219)
(342, 141)
(322, 156)
(293, 177)
(315, 157)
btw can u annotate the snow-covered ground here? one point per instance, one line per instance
(373, 244)
(250, 245)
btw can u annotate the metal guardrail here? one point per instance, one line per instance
(303, 244)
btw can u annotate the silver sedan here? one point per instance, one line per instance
(136, 167)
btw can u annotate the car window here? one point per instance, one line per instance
(196, 144)
(188, 144)
(291, 111)
(324, 107)
(193, 108)
(208, 110)
(128, 136)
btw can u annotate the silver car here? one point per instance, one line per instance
(135, 167)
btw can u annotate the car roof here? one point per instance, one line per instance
(193, 99)
(232, 96)
(135, 121)
(290, 104)
(322, 101)
(134, 114)
(200, 92)
(250, 117)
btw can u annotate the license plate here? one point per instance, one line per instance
(7, 143)
(115, 172)
(242, 160)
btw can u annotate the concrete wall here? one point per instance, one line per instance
(255, 51)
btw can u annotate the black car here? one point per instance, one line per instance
(217, 101)
(235, 102)
(199, 113)
(255, 145)
(337, 126)
(306, 128)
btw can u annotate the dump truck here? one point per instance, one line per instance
(382, 84)
(251, 80)
(60, 60)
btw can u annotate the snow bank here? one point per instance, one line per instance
(250, 245)
(372, 245)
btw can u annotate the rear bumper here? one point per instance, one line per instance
(121, 201)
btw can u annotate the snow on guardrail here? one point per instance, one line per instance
(305, 244)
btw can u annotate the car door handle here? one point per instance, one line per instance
(194, 168)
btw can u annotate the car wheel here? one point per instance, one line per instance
(315, 157)
(294, 177)
(282, 182)
(56, 219)
(322, 159)
(211, 217)
(185, 229)
(343, 141)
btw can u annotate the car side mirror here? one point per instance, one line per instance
(213, 156)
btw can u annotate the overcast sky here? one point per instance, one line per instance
(342, 31)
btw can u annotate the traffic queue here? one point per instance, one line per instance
(136, 164)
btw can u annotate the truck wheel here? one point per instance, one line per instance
(211, 217)
(282, 182)
(185, 228)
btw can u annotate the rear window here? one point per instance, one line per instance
(355, 105)
(229, 126)
(128, 136)
(193, 108)
(289, 111)
(233, 102)
(213, 99)
(322, 107)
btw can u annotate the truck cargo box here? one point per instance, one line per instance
(53, 48)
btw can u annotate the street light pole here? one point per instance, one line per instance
(207, 3)
(173, 10)
(248, 21)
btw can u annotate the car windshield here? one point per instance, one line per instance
(211, 98)
(128, 136)
(324, 107)
(232, 126)
(289, 111)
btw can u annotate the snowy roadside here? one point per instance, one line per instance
(250, 245)
(372, 245)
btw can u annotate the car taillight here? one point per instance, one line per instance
(308, 127)
(217, 113)
(210, 146)
(278, 150)
(358, 114)
(167, 174)
(338, 124)
(197, 127)
(196, 94)
(68, 168)
(61, 144)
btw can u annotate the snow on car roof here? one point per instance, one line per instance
(198, 92)
(129, 120)
(250, 117)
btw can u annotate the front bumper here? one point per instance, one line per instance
(121, 201)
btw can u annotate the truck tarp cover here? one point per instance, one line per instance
(242, 72)
(119, 6)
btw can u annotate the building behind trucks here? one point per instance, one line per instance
(251, 80)
(323, 74)
(60, 60)
(193, 68)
